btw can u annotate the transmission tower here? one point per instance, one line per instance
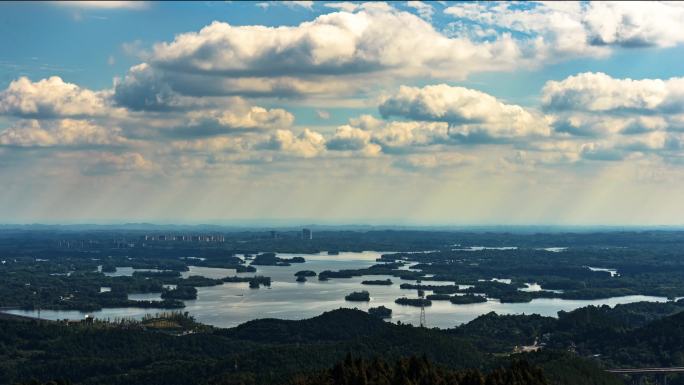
(421, 296)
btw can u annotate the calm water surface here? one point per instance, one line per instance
(231, 304)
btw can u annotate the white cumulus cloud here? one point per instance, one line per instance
(326, 55)
(50, 98)
(598, 104)
(307, 144)
(236, 118)
(600, 92)
(468, 112)
(348, 138)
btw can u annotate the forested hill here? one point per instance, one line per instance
(660, 343)
(329, 326)
(258, 352)
(637, 335)
(419, 371)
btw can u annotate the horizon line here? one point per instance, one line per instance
(269, 224)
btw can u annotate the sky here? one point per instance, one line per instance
(398, 113)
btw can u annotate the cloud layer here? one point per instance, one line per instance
(67, 132)
(561, 29)
(228, 96)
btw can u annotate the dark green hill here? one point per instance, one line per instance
(267, 351)
(336, 325)
(418, 371)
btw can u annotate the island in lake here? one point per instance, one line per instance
(413, 301)
(380, 312)
(360, 296)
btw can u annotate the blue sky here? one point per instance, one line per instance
(342, 112)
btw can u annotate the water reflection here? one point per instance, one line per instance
(613, 272)
(125, 271)
(533, 287)
(145, 297)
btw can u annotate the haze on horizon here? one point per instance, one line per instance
(403, 113)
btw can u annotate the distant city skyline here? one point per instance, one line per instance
(304, 113)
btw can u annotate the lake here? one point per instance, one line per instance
(231, 304)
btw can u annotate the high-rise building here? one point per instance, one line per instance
(307, 234)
